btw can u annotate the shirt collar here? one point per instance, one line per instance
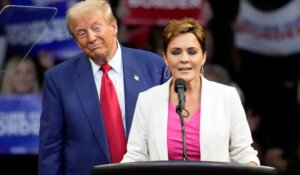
(115, 62)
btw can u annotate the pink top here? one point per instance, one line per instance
(192, 128)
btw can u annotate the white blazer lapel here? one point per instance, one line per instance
(205, 120)
(158, 130)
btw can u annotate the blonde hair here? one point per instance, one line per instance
(185, 25)
(89, 6)
(10, 68)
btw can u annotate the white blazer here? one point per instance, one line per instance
(224, 131)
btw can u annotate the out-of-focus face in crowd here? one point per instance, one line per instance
(20, 76)
(22, 79)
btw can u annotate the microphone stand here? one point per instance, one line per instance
(179, 112)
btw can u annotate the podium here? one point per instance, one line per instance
(181, 168)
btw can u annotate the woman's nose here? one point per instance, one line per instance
(184, 58)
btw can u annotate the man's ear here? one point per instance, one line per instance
(114, 26)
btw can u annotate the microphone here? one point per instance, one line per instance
(180, 90)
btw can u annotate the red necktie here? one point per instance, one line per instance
(112, 117)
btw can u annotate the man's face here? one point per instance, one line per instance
(95, 36)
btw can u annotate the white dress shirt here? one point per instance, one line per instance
(116, 76)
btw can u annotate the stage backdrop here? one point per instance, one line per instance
(271, 33)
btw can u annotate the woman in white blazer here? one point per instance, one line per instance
(215, 120)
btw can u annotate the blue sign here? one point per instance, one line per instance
(55, 38)
(19, 123)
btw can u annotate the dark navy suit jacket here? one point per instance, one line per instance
(72, 133)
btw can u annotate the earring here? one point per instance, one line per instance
(167, 73)
(202, 70)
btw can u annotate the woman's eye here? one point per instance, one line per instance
(192, 52)
(175, 52)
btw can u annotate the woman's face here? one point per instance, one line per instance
(22, 80)
(185, 57)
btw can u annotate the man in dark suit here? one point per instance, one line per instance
(73, 135)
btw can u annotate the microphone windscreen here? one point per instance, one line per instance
(179, 83)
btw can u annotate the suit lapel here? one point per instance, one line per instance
(133, 81)
(86, 89)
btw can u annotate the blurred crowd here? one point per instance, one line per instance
(268, 84)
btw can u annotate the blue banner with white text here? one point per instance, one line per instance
(55, 38)
(19, 123)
